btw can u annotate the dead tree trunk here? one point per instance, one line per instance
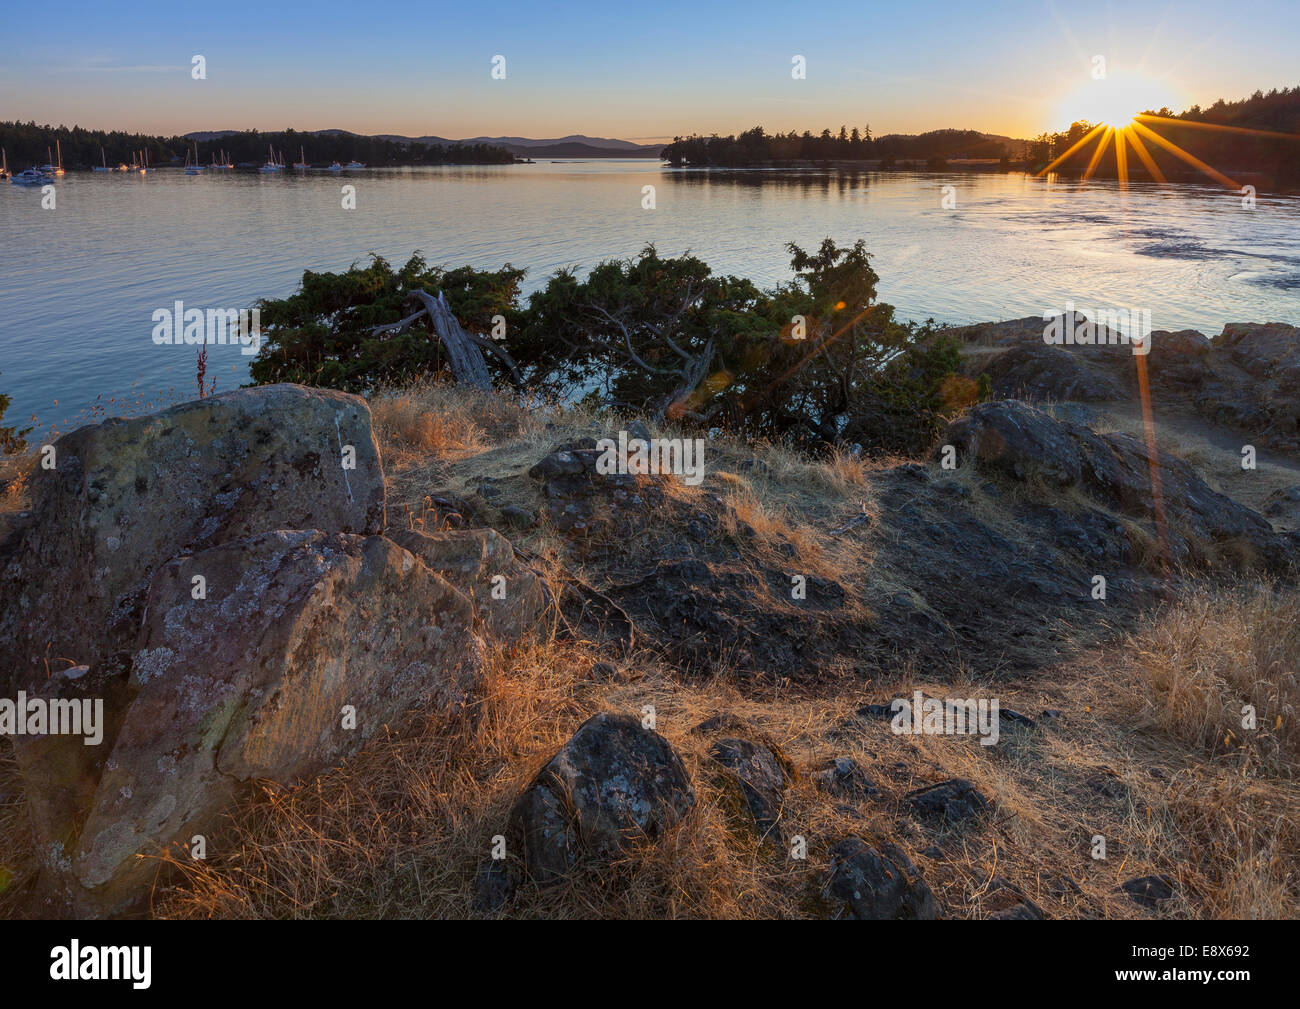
(464, 349)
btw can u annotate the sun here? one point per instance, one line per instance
(1115, 99)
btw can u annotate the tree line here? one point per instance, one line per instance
(1273, 154)
(757, 147)
(27, 144)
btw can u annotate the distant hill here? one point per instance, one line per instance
(573, 138)
(950, 143)
(574, 146)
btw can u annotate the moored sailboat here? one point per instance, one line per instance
(272, 165)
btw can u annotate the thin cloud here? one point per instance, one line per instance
(137, 69)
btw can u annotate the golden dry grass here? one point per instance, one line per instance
(399, 830)
(1216, 661)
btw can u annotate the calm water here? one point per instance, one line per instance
(79, 283)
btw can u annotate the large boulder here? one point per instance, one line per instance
(1270, 354)
(1038, 371)
(125, 496)
(302, 645)
(612, 785)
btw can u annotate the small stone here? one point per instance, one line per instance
(1151, 891)
(1016, 718)
(953, 800)
(519, 518)
(843, 777)
(760, 774)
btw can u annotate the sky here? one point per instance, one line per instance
(642, 72)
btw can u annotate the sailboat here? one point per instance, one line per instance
(272, 165)
(301, 164)
(223, 163)
(48, 167)
(4, 164)
(104, 159)
(58, 163)
(193, 168)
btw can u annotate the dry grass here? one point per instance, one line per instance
(15, 480)
(400, 829)
(449, 423)
(1216, 654)
(17, 859)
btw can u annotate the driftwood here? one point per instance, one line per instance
(464, 349)
(857, 520)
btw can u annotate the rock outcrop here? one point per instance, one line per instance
(125, 496)
(220, 572)
(1117, 471)
(1247, 377)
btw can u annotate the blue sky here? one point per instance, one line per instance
(632, 71)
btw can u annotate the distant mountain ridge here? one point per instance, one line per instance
(575, 145)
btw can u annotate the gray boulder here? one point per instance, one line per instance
(125, 496)
(305, 644)
(1015, 440)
